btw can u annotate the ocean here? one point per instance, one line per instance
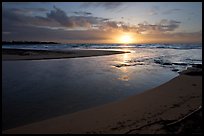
(35, 90)
(103, 46)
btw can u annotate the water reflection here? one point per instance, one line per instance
(123, 78)
(69, 85)
(124, 70)
(126, 57)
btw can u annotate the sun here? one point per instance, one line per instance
(126, 39)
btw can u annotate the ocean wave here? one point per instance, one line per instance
(107, 46)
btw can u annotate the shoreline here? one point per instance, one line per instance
(149, 111)
(29, 54)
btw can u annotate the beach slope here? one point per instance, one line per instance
(154, 111)
(28, 54)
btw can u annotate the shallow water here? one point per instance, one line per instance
(41, 89)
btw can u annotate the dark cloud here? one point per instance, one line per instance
(60, 16)
(168, 25)
(82, 13)
(73, 21)
(10, 17)
(52, 27)
(55, 18)
(111, 24)
(29, 33)
(106, 5)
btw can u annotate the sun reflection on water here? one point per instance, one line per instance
(125, 73)
(125, 57)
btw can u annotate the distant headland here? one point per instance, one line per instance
(27, 42)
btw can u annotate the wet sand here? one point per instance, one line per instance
(28, 54)
(161, 110)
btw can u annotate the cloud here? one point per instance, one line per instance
(106, 5)
(179, 37)
(59, 16)
(73, 21)
(56, 25)
(110, 24)
(170, 11)
(11, 17)
(30, 33)
(154, 10)
(58, 19)
(54, 18)
(82, 13)
(37, 28)
(163, 26)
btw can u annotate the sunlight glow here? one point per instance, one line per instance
(126, 39)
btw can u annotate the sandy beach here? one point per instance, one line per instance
(161, 110)
(28, 54)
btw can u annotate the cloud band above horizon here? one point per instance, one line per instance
(58, 25)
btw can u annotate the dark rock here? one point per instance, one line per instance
(167, 63)
(197, 65)
(181, 64)
(175, 70)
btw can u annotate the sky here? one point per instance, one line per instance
(103, 22)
